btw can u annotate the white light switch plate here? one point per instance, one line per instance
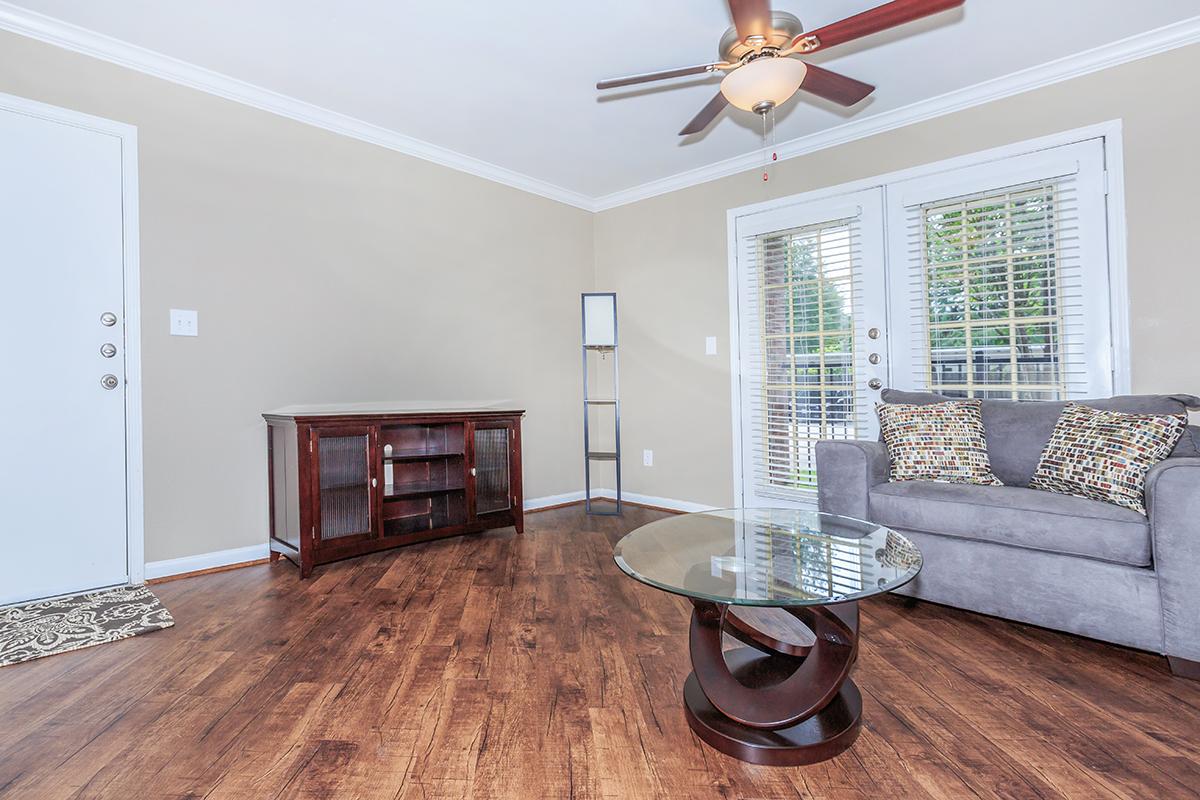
(647, 458)
(710, 345)
(184, 322)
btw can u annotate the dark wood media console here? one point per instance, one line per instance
(348, 480)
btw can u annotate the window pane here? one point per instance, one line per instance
(807, 330)
(992, 294)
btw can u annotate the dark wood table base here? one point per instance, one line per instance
(783, 701)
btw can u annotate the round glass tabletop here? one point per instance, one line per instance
(768, 557)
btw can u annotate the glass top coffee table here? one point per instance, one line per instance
(785, 582)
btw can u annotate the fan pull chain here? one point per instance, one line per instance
(774, 154)
(766, 177)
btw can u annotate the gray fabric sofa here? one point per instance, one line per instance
(1057, 561)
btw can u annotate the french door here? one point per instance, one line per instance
(984, 276)
(811, 304)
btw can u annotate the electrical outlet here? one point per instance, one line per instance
(647, 458)
(184, 322)
(710, 345)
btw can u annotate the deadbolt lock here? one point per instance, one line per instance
(110, 381)
(874, 383)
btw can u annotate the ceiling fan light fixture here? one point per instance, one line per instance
(763, 83)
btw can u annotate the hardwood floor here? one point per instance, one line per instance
(502, 666)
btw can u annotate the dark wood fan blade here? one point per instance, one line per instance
(751, 17)
(880, 18)
(613, 83)
(706, 115)
(834, 86)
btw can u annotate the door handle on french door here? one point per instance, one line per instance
(108, 319)
(108, 349)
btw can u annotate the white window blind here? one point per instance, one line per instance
(997, 293)
(803, 300)
(1005, 285)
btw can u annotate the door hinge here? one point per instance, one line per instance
(310, 449)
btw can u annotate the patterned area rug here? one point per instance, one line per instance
(48, 627)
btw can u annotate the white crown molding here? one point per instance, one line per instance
(72, 37)
(97, 45)
(1135, 47)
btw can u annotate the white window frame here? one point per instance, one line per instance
(866, 207)
(1082, 162)
(1118, 283)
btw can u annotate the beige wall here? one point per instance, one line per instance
(319, 264)
(666, 257)
(324, 269)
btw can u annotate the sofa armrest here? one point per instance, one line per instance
(846, 471)
(1173, 503)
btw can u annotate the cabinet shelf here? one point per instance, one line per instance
(421, 489)
(416, 455)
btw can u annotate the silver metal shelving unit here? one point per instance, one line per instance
(599, 315)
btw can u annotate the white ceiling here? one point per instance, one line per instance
(512, 83)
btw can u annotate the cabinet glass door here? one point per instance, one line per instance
(345, 472)
(493, 486)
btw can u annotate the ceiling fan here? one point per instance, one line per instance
(756, 55)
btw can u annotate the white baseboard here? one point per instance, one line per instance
(254, 552)
(220, 558)
(534, 503)
(651, 500)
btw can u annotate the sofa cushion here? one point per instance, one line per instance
(935, 442)
(1017, 430)
(1015, 516)
(1104, 455)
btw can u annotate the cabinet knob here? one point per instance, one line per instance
(473, 473)
(374, 482)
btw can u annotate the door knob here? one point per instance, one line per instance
(873, 358)
(110, 381)
(108, 349)
(873, 333)
(108, 319)
(874, 383)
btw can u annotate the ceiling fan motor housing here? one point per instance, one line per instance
(784, 28)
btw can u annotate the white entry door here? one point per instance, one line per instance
(62, 455)
(811, 305)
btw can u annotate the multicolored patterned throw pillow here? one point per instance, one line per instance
(1104, 455)
(936, 442)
